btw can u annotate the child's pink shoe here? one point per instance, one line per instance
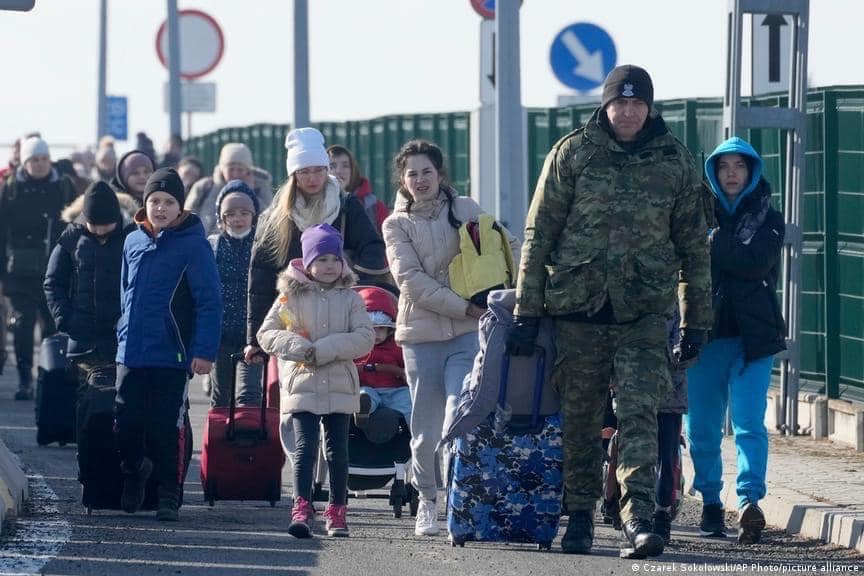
(301, 518)
(336, 524)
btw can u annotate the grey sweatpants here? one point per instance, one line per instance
(435, 372)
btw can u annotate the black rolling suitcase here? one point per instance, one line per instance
(56, 389)
(98, 457)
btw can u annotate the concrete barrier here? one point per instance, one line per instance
(13, 484)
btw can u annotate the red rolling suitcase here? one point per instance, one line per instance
(272, 383)
(242, 456)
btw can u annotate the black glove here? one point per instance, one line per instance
(689, 345)
(522, 336)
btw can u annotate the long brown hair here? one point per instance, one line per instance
(278, 229)
(436, 157)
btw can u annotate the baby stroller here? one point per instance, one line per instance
(380, 454)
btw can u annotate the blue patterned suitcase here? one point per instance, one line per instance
(507, 480)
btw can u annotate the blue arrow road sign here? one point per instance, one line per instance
(582, 55)
(117, 117)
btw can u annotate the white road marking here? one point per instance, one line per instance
(38, 538)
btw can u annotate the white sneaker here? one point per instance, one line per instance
(427, 518)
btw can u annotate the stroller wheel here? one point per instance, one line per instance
(413, 499)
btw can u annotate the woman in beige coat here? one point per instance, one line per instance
(436, 327)
(316, 327)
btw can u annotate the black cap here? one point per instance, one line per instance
(628, 81)
(166, 180)
(100, 204)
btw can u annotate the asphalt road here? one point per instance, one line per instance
(233, 538)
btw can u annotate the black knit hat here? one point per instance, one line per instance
(100, 204)
(628, 81)
(166, 180)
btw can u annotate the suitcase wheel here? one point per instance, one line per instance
(454, 542)
(208, 495)
(543, 546)
(398, 496)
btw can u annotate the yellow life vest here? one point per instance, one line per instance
(478, 269)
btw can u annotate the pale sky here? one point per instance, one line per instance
(368, 58)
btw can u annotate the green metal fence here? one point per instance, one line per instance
(375, 142)
(832, 299)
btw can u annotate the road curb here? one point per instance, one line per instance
(792, 511)
(13, 485)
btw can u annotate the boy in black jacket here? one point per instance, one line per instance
(82, 283)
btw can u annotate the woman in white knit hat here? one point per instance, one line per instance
(309, 197)
(235, 163)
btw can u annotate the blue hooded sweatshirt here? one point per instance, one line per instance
(733, 145)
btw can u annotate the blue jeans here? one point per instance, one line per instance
(718, 379)
(435, 371)
(398, 399)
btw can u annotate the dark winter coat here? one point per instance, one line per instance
(29, 226)
(170, 300)
(745, 260)
(362, 242)
(82, 286)
(232, 259)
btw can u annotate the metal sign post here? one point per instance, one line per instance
(793, 119)
(301, 64)
(512, 206)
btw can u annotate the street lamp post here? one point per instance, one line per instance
(101, 119)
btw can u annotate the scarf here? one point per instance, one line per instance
(305, 214)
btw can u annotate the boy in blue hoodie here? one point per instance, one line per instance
(171, 316)
(236, 212)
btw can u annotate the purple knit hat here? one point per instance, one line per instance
(318, 241)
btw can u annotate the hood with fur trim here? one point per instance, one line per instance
(294, 281)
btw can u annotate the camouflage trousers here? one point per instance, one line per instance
(590, 357)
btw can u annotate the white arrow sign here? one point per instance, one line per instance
(590, 64)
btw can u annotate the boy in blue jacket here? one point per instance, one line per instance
(171, 316)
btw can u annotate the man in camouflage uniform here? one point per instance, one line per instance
(615, 223)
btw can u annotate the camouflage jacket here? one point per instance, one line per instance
(624, 225)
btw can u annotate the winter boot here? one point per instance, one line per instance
(361, 418)
(663, 524)
(134, 486)
(751, 522)
(169, 506)
(579, 536)
(25, 383)
(713, 524)
(643, 541)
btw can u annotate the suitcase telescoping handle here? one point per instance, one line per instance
(539, 376)
(232, 397)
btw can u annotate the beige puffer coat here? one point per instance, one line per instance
(330, 320)
(420, 246)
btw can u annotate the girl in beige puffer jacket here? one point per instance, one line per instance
(316, 327)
